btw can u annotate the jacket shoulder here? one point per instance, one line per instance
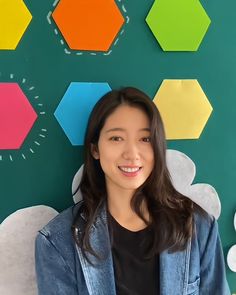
(60, 226)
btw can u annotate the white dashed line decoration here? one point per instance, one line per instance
(77, 52)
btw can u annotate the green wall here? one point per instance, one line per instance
(45, 176)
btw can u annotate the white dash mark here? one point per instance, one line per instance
(122, 32)
(0, 157)
(79, 53)
(92, 53)
(62, 42)
(40, 104)
(42, 113)
(108, 53)
(23, 80)
(31, 88)
(23, 156)
(42, 135)
(119, 0)
(11, 76)
(127, 19)
(55, 3)
(37, 143)
(32, 151)
(123, 8)
(116, 41)
(48, 17)
(10, 157)
(67, 51)
(56, 31)
(44, 130)
(36, 97)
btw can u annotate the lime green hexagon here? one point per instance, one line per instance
(178, 25)
(184, 108)
(14, 19)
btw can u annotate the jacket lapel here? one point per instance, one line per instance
(99, 276)
(174, 271)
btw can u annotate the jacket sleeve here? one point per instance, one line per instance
(54, 276)
(212, 276)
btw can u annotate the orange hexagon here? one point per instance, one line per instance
(88, 25)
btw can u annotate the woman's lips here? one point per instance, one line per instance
(130, 171)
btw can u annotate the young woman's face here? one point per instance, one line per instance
(124, 149)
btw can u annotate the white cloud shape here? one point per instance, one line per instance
(231, 256)
(182, 171)
(17, 238)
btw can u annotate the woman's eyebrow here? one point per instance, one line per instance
(123, 130)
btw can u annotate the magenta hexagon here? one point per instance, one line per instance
(17, 116)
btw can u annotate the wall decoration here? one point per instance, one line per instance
(178, 25)
(16, 116)
(184, 108)
(73, 111)
(14, 20)
(89, 25)
(231, 256)
(182, 171)
(17, 240)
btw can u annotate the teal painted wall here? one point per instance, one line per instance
(45, 177)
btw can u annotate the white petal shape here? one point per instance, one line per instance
(235, 221)
(17, 236)
(205, 196)
(231, 258)
(182, 169)
(77, 196)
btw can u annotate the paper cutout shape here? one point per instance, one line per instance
(17, 116)
(182, 171)
(14, 19)
(231, 256)
(17, 244)
(88, 25)
(74, 109)
(178, 25)
(77, 195)
(184, 108)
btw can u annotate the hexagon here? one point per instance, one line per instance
(74, 109)
(184, 108)
(14, 19)
(178, 25)
(16, 116)
(88, 25)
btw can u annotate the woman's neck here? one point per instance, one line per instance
(119, 207)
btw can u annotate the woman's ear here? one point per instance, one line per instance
(94, 151)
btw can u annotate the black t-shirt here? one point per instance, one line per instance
(134, 273)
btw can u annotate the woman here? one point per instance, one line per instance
(133, 233)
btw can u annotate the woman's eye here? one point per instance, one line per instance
(115, 138)
(146, 139)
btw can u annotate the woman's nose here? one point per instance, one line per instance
(131, 152)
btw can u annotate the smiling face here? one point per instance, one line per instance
(124, 149)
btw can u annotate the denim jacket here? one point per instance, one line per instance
(62, 269)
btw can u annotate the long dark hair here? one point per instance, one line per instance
(171, 214)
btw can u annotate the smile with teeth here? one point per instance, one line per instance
(129, 169)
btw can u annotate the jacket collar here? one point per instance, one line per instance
(173, 266)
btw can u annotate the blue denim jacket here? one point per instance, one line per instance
(62, 269)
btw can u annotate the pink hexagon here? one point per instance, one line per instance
(17, 116)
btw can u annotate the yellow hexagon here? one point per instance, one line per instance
(14, 19)
(184, 108)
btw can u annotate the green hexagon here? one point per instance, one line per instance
(178, 25)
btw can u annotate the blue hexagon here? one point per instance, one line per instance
(75, 107)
